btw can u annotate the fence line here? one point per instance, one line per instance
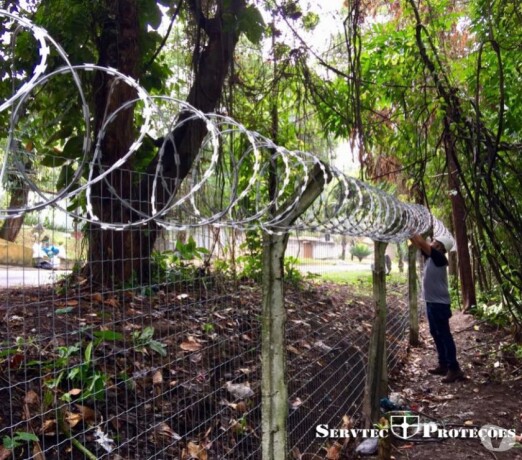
(347, 206)
(166, 402)
(170, 368)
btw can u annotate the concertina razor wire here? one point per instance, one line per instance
(232, 158)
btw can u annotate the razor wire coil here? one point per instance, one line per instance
(229, 151)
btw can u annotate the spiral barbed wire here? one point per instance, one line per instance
(227, 184)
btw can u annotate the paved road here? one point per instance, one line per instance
(11, 276)
(27, 276)
(338, 267)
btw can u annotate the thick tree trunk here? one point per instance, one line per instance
(458, 208)
(110, 252)
(11, 227)
(19, 196)
(116, 256)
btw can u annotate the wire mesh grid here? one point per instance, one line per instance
(327, 362)
(163, 362)
(145, 371)
(141, 370)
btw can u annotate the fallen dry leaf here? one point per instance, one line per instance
(97, 297)
(48, 427)
(296, 453)
(241, 407)
(406, 446)
(38, 452)
(190, 344)
(112, 302)
(31, 397)
(73, 418)
(165, 430)
(194, 451)
(88, 414)
(239, 390)
(334, 451)
(444, 397)
(293, 350)
(4, 453)
(157, 378)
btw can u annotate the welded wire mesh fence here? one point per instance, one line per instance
(141, 371)
(152, 348)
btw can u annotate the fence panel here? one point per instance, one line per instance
(167, 370)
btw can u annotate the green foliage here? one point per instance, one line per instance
(361, 280)
(107, 336)
(18, 439)
(170, 266)
(208, 328)
(292, 273)
(79, 378)
(145, 339)
(251, 261)
(83, 379)
(310, 21)
(493, 312)
(513, 348)
(251, 23)
(223, 266)
(360, 250)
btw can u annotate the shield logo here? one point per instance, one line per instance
(404, 426)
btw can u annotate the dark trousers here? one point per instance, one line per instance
(438, 320)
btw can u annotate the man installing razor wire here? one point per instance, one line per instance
(438, 304)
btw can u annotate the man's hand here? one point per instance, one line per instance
(421, 243)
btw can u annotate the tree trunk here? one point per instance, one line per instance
(377, 375)
(458, 208)
(478, 267)
(11, 226)
(344, 242)
(400, 256)
(116, 256)
(19, 196)
(413, 296)
(274, 393)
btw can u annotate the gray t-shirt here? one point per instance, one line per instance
(435, 278)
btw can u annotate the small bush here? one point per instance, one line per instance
(360, 250)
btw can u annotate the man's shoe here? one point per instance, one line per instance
(439, 370)
(453, 376)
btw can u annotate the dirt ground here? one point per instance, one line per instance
(211, 335)
(489, 395)
(170, 404)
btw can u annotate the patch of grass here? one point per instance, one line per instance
(348, 277)
(308, 261)
(360, 278)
